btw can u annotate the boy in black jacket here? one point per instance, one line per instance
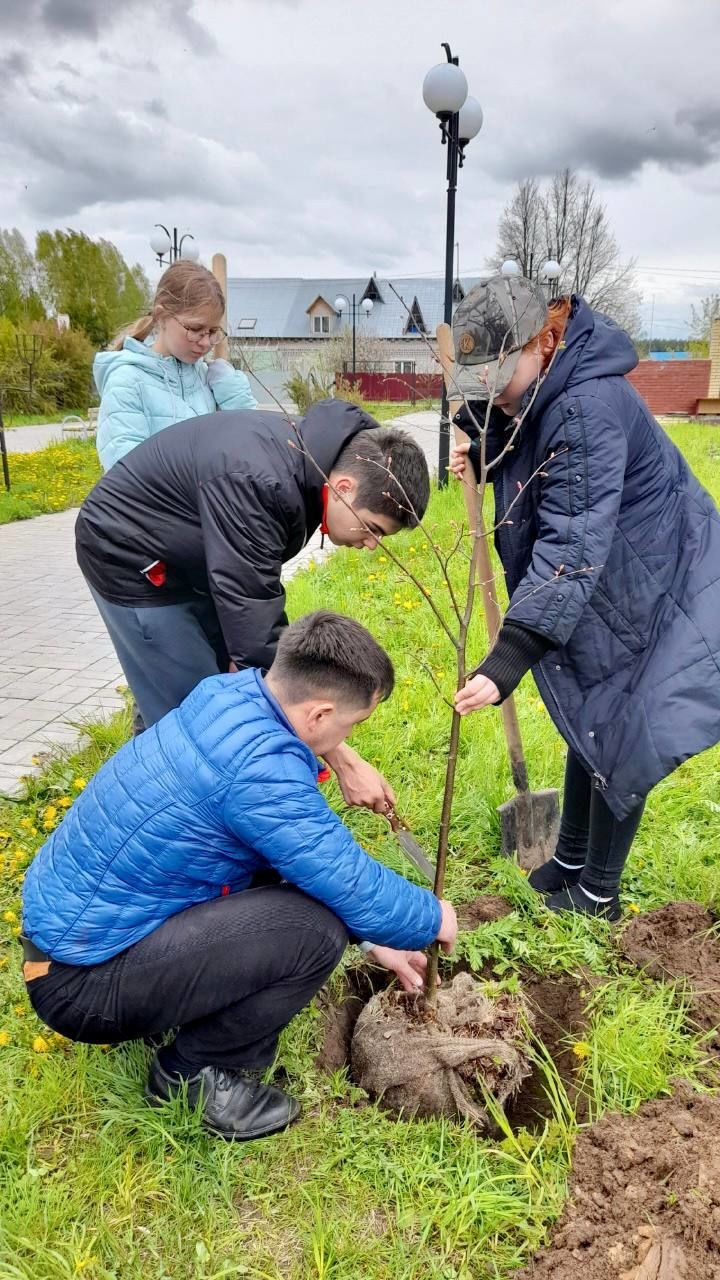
(182, 542)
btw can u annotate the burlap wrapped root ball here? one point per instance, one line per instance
(439, 1067)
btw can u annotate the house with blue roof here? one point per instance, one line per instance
(277, 326)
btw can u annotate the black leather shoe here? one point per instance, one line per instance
(235, 1104)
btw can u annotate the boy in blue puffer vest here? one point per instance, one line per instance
(202, 882)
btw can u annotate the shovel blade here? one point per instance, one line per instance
(412, 850)
(529, 826)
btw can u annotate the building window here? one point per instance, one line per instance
(415, 322)
(321, 324)
(404, 366)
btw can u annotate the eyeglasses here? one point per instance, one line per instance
(197, 335)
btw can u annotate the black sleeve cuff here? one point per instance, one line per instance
(515, 651)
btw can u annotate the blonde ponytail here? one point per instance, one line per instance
(140, 330)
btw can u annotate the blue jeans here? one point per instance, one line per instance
(165, 651)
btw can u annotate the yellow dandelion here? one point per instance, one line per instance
(80, 784)
(5, 1039)
(405, 704)
(581, 1049)
(50, 813)
(40, 1045)
(15, 931)
(4, 835)
(33, 831)
(10, 916)
(26, 823)
(372, 577)
(65, 802)
(407, 604)
(412, 550)
(20, 1010)
(633, 906)
(382, 559)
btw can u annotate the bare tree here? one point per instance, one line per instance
(702, 316)
(567, 221)
(520, 230)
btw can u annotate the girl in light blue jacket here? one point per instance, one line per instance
(155, 374)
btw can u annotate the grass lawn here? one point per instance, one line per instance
(51, 479)
(60, 476)
(385, 410)
(94, 1183)
(12, 419)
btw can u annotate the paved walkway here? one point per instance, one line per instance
(57, 665)
(30, 439)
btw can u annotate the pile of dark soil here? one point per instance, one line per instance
(675, 942)
(644, 1198)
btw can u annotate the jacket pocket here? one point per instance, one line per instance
(616, 621)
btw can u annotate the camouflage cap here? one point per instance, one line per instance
(490, 327)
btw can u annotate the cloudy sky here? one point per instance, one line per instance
(291, 134)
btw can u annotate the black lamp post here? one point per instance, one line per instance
(342, 304)
(445, 93)
(166, 245)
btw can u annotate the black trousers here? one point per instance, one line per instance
(591, 835)
(230, 973)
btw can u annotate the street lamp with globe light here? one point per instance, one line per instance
(551, 274)
(166, 245)
(342, 304)
(445, 93)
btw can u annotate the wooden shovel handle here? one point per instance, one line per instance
(493, 614)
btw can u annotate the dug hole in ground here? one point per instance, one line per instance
(644, 1193)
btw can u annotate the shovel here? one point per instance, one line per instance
(410, 846)
(530, 821)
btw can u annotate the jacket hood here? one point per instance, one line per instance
(139, 354)
(326, 429)
(594, 347)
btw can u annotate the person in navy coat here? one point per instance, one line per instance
(611, 553)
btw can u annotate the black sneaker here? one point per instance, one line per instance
(235, 1104)
(574, 898)
(554, 875)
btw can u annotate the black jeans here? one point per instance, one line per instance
(591, 835)
(230, 973)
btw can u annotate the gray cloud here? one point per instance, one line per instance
(128, 64)
(73, 17)
(76, 158)
(14, 66)
(156, 107)
(616, 149)
(703, 120)
(90, 19)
